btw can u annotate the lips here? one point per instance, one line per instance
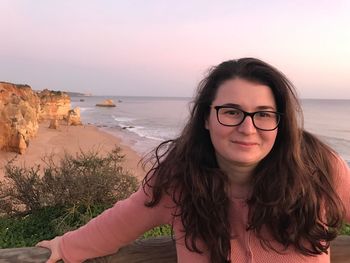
(245, 143)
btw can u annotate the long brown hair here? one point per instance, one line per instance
(292, 186)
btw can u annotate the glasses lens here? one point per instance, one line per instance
(230, 116)
(266, 120)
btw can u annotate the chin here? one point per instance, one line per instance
(245, 162)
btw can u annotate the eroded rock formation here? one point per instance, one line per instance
(19, 111)
(53, 124)
(53, 105)
(74, 117)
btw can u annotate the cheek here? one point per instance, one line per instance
(219, 136)
(216, 130)
(270, 139)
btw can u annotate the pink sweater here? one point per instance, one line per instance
(128, 219)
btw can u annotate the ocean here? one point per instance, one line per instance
(144, 122)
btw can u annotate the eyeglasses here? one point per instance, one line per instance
(262, 120)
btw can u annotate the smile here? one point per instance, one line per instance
(245, 143)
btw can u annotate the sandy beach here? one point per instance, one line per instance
(71, 139)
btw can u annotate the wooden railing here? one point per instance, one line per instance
(153, 250)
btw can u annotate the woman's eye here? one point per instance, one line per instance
(264, 114)
(232, 112)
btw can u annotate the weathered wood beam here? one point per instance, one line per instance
(152, 250)
(340, 250)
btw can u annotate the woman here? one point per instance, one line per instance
(242, 183)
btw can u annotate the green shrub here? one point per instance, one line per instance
(164, 230)
(345, 230)
(39, 203)
(18, 231)
(82, 180)
(45, 223)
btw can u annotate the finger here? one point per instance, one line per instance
(51, 260)
(44, 243)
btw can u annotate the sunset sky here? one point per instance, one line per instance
(163, 48)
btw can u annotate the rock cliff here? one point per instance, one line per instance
(19, 112)
(53, 105)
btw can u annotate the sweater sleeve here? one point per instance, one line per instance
(114, 228)
(342, 183)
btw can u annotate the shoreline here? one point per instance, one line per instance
(72, 139)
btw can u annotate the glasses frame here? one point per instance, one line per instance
(250, 114)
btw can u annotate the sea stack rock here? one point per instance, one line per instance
(19, 111)
(53, 124)
(74, 117)
(106, 103)
(53, 105)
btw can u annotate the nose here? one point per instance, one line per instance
(247, 126)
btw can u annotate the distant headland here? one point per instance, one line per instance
(77, 94)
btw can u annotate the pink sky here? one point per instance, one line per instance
(163, 48)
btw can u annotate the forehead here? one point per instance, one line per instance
(245, 93)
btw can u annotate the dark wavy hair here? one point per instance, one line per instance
(293, 190)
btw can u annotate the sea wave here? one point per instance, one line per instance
(122, 119)
(145, 133)
(83, 109)
(337, 142)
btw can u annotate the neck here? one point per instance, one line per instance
(239, 174)
(239, 178)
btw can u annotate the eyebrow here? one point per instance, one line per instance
(262, 107)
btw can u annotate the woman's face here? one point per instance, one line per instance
(241, 145)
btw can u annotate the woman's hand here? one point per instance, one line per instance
(54, 246)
